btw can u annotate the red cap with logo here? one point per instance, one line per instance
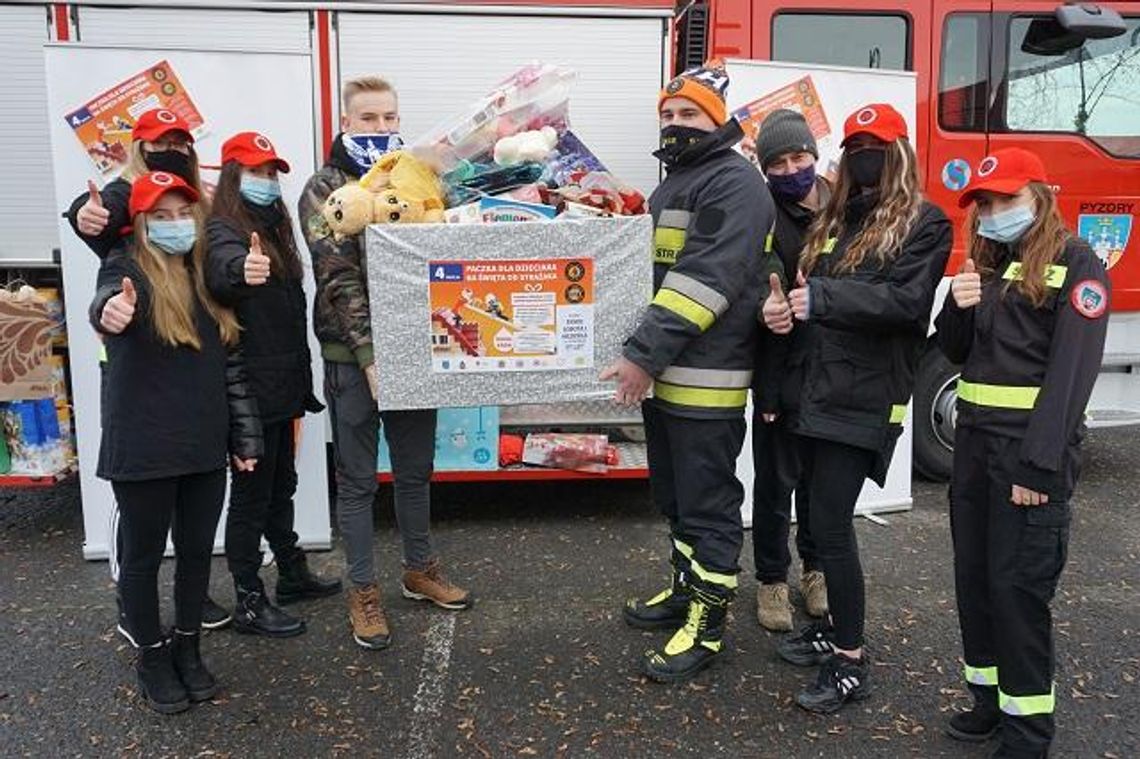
(252, 149)
(1005, 172)
(155, 123)
(150, 187)
(878, 120)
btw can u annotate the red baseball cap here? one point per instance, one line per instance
(1005, 172)
(252, 149)
(150, 187)
(878, 120)
(155, 123)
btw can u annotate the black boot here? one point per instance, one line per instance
(199, 683)
(697, 643)
(159, 685)
(840, 680)
(666, 610)
(295, 581)
(254, 615)
(982, 721)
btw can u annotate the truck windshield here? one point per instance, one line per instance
(1092, 90)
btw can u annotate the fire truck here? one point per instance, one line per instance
(1060, 79)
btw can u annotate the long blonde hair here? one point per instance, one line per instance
(882, 234)
(1041, 245)
(172, 285)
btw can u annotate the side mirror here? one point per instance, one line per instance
(1090, 21)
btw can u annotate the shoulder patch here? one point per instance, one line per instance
(1090, 298)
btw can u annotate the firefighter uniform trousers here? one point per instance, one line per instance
(1007, 561)
(693, 480)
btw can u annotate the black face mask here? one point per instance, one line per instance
(867, 166)
(677, 139)
(171, 161)
(268, 217)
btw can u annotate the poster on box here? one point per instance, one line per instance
(512, 315)
(504, 314)
(103, 124)
(825, 95)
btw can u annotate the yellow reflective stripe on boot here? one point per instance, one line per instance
(659, 597)
(898, 414)
(998, 396)
(981, 675)
(1027, 706)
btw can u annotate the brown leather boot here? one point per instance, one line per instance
(814, 587)
(366, 615)
(431, 585)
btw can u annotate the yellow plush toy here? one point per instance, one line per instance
(398, 188)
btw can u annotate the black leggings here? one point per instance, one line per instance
(836, 472)
(188, 506)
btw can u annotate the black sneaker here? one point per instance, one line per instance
(214, 617)
(810, 647)
(840, 680)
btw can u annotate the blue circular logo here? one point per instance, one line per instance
(482, 455)
(956, 174)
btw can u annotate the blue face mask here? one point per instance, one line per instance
(175, 237)
(795, 186)
(259, 190)
(366, 149)
(1007, 226)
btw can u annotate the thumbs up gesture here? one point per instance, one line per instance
(92, 218)
(800, 298)
(966, 287)
(776, 311)
(256, 263)
(119, 311)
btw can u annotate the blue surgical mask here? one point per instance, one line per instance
(1006, 226)
(259, 190)
(176, 237)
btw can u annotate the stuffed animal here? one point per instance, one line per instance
(399, 183)
(526, 147)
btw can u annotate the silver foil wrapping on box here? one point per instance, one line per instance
(399, 299)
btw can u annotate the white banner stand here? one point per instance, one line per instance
(234, 91)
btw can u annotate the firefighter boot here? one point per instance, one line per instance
(980, 723)
(296, 582)
(697, 643)
(667, 609)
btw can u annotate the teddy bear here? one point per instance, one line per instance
(399, 187)
(526, 147)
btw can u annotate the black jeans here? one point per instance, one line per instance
(776, 459)
(836, 472)
(261, 503)
(188, 507)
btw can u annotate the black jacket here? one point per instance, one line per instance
(1046, 358)
(273, 321)
(168, 411)
(776, 384)
(116, 199)
(865, 336)
(697, 338)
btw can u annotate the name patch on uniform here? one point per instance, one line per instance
(1089, 298)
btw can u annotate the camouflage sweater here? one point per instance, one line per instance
(340, 312)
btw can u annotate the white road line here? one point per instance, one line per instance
(433, 684)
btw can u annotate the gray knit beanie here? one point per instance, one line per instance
(783, 131)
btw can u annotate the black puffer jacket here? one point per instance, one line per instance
(116, 199)
(273, 320)
(169, 411)
(866, 333)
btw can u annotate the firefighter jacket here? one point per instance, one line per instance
(1029, 371)
(866, 332)
(698, 336)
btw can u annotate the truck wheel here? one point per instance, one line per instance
(935, 398)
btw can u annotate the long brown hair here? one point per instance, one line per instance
(279, 245)
(883, 233)
(172, 284)
(1040, 246)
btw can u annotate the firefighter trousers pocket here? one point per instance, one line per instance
(1044, 547)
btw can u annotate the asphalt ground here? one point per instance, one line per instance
(543, 665)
